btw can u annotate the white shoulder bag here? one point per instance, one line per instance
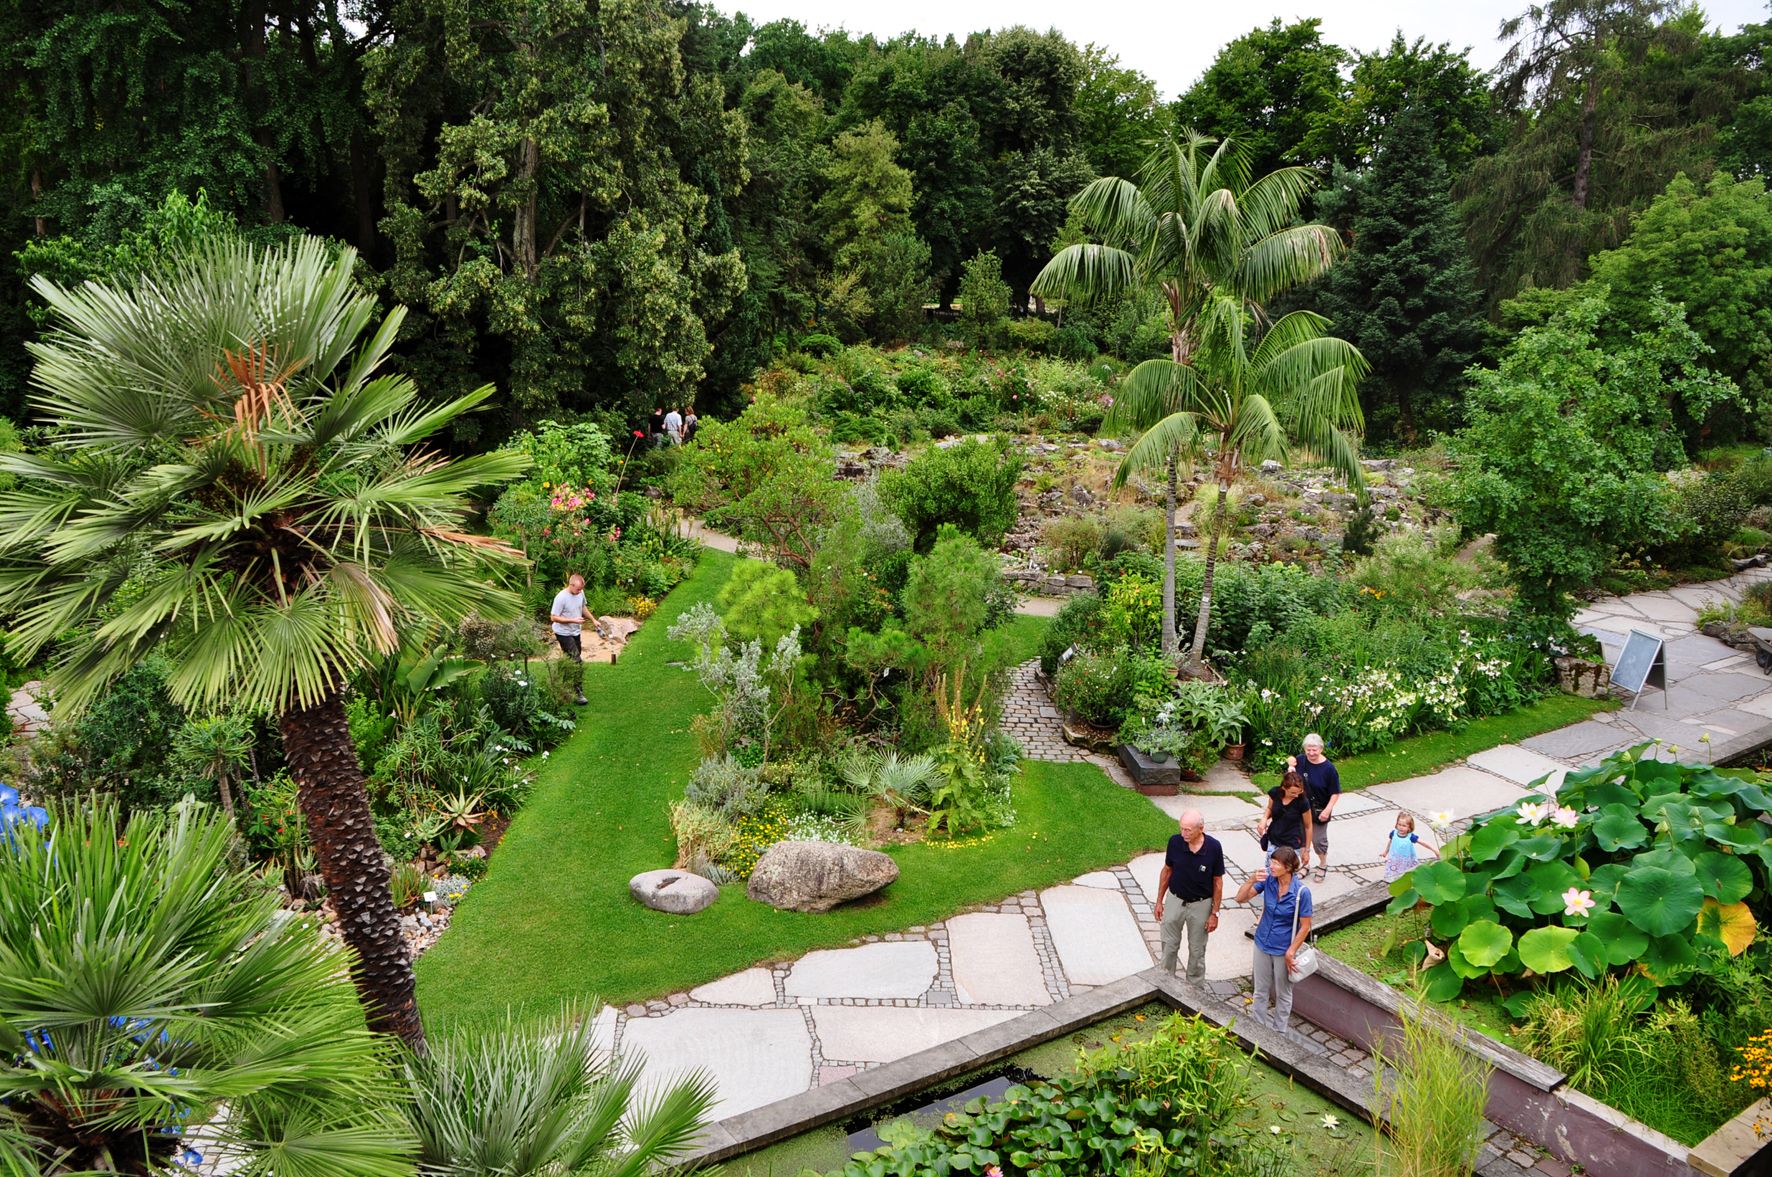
(1305, 959)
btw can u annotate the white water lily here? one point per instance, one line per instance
(1443, 817)
(1577, 901)
(1530, 811)
(1274, 1128)
(1331, 1123)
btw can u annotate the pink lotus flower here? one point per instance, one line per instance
(1577, 901)
(1565, 817)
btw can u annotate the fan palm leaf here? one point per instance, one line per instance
(225, 451)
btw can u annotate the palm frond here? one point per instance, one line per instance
(1086, 272)
(1178, 433)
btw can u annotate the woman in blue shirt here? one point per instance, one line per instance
(1284, 896)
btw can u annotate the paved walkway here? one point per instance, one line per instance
(775, 1030)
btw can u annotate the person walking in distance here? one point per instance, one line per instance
(1322, 783)
(1189, 892)
(568, 615)
(673, 425)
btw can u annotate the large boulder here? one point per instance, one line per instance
(676, 891)
(816, 876)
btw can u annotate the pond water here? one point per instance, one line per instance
(1316, 1134)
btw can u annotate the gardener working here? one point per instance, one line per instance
(568, 615)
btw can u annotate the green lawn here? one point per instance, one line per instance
(552, 919)
(1419, 755)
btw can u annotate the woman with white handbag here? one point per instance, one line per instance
(1281, 954)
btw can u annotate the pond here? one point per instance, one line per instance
(1310, 1133)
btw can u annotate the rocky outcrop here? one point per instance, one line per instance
(816, 876)
(675, 891)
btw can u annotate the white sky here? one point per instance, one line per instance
(1174, 42)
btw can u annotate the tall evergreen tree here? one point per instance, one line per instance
(1406, 295)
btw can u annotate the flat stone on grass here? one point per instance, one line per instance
(1097, 939)
(751, 987)
(994, 961)
(1147, 869)
(1105, 879)
(1522, 766)
(755, 1056)
(1577, 741)
(882, 1033)
(1216, 809)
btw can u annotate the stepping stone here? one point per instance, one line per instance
(1241, 850)
(1522, 766)
(994, 962)
(1758, 706)
(1147, 869)
(895, 968)
(1354, 804)
(1463, 790)
(603, 1029)
(1658, 607)
(1096, 937)
(1580, 740)
(751, 987)
(754, 1056)
(1107, 880)
(881, 1033)
(1228, 949)
(1216, 809)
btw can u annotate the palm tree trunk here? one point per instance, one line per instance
(1197, 659)
(1170, 645)
(323, 760)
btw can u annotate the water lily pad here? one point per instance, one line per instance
(1668, 960)
(1440, 983)
(1439, 882)
(1485, 942)
(1624, 942)
(1659, 901)
(1732, 923)
(1489, 841)
(1590, 955)
(1618, 828)
(1546, 950)
(1724, 877)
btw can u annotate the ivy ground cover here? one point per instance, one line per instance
(553, 919)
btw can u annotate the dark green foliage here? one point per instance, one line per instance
(1076, 621)
(970, 485)
(1406, 293)
(1101, 687)
(1277, 91)
(121, 745)
(984, 300)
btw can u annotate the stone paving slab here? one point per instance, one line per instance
(1522, 766)
(1105, 879)
(1352, 804)
(1216, 809)
(904, 968)
(1361, 840)
(994, 962)
(751, 987)
(1462, 789)
(1241, 851)
(1096, 937)
(1578, 741)
(1760, 704)
(754, 1056)
(880, 1034)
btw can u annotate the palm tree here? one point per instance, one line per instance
(528, 1100)
(1192, 224)
(155, 1000)
(223, 453)
(1238, 406)
(214, 748)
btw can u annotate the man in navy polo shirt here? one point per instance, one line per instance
(1189, 892)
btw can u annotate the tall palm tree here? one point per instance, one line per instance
(1238, 406)
(517, 1099)
(224, 455)
(154, 1000)
(1193, 223)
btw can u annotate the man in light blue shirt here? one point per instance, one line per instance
(568, 616)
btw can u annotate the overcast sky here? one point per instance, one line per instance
(1174, 41)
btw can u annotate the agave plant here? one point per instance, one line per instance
(522, 1099)
(146, 986)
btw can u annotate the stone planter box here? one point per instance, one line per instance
(1578, 676)
(1735, 1149)
(1153, 778)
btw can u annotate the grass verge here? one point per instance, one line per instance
(1431, 751)
(553, 920)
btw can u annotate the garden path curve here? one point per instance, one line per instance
(774, 1030)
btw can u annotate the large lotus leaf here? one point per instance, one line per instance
(1546, 950)
(1732, 923)
(1511, 863)
(1602, 794)
(1489, 841)
(1485, 942)
(1668, 960)
(1541, 847)
(1439, 882)
(1745, 795)
(1515, 895)
(1449, 919)
(1624, 942)
(1666, 858)
(1725, 878)
(1460, 965)
(1652, 775)
(1603, 882)
(1549, 880)
(1440, 983)
(1402, 900)
(1588, 952)
(1659, 901)
(1617, 828)
(1741, 835)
